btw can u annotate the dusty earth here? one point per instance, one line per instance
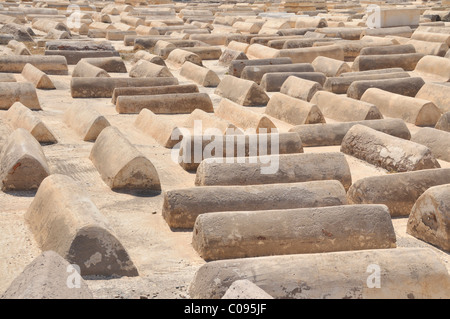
(165, 259)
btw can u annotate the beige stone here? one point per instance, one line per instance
(293, 110)
(333, 133)
(23, 92)
(37, 77)
(63, 218)
(406, 273)
(397, 191)
(243, 234)
(391, 153)
(85, 121)
(199, 74)
(429, 220)
(412, 110)
(23, 164)
(172, 103)
(292, 168)
(19, 116)
(342, 108)
(120, 163)
(438, 141)
(240, 91)
(182, 206)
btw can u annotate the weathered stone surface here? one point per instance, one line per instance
(273, 82)
(23, 92)
(109, 64)
(178, 56)
(63, 218)
(256, 72)
(209, 121)
(444, 122)
(200, 75)
(227, 235)
(403, 86)
(342, 108)
(340, 84)
(292, 168)
(18, 48)
(182, 206)
(147, 56)
(195, 148)
(437, 141)
(146, 69)
(431, 37)
(120, 163)
(87, 70)
(87, 122)
(74, 56)
(407, 273)
(174, 103)
(104, 87)
(242, 117)
(398, 191)
(412, 110)
(164, 131)
(236, 67)
(19, 116)
(429, 48)
(153, 90)
(389, 152)
(429, 219)
(435, 67)
(240, 91)
(56, 65)
(406, 61)
(47, 277)
(307, 55)
(333, 133)
(293, 110)
(330, 67)
(245, 289)
(229, 55)
(23, 165)
(389, 49)
(7, 77)
(18, 31)
(438, 93)
(39, 79)
(205, 52)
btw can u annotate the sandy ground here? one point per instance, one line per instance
(165, 259)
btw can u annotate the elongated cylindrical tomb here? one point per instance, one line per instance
(399, 273)
(182, 206)
(397, 191)
(292, 168)
(403, 86)
(174, 103)
(333, 133)
(63, 218)
(412, 110)
(389, 152)
(430, 217)
(104, 87)
(227, 235)
(56, 65)
(23, 92)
